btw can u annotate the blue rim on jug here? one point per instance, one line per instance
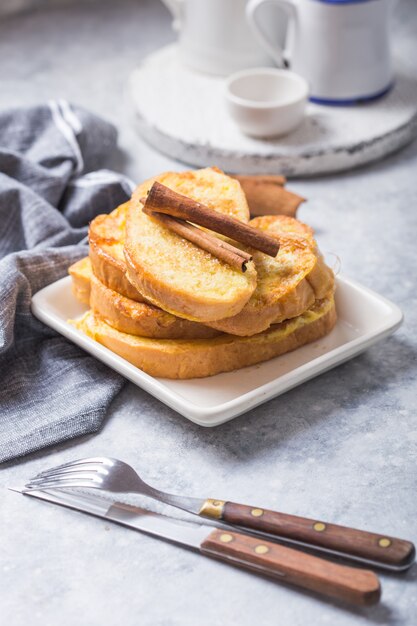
(344, 1)
(358, 99)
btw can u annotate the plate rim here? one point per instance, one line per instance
(224, 411)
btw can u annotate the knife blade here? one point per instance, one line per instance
(356, 586)
(178, 531)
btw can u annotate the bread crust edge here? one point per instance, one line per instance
(202, 358)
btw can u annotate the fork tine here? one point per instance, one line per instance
(67, 476)
(59, 484)
(87, 467)
(98, 459)
(64, 481)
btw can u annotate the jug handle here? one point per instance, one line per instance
(274, 50)
(176, 7)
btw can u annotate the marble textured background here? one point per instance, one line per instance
(342, 447)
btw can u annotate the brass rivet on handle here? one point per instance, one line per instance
(257, 512)
(319, 527)
(226, 538)
(217, 502)
(384, 542)
(261, 549)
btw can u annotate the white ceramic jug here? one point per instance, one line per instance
(341, 47)
(215, 37)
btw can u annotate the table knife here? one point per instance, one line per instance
(355, 586)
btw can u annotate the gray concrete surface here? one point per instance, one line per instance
(341, 447)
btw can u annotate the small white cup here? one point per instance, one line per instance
(266, 102)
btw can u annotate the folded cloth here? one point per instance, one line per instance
(50, 390)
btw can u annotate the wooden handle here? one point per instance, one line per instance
(356, 586)
(382, 549)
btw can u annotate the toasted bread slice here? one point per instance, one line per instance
(288, 284)
(106, 237)
(141, 319)
(321, 279)
(80, 273)
(129, 316)
(180, 359)
(177, 275)
(281, 224)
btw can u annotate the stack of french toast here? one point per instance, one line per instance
(176, 310)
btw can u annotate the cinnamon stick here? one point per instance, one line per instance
(266, 195)
(221, 249)
(163, 200)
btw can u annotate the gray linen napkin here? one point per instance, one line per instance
(50, 390)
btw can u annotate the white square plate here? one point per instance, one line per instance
(364, 317)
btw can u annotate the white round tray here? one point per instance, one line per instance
(182, 114)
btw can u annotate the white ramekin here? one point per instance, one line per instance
(266, 102)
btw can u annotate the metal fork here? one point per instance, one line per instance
(119, 477)
(110, 475)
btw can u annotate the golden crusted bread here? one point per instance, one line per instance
(321, 279)
(141, 319)
(129, 316)
(182, 358)
(280, 224)
(177, 275)
(106, 237)
(288, 284)
(80, 273)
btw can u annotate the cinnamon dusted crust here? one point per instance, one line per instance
(321, 278)
(141, 319)
(175, 274)
(183, 359)
(106, 237)
(127, 315)
(288, 284)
